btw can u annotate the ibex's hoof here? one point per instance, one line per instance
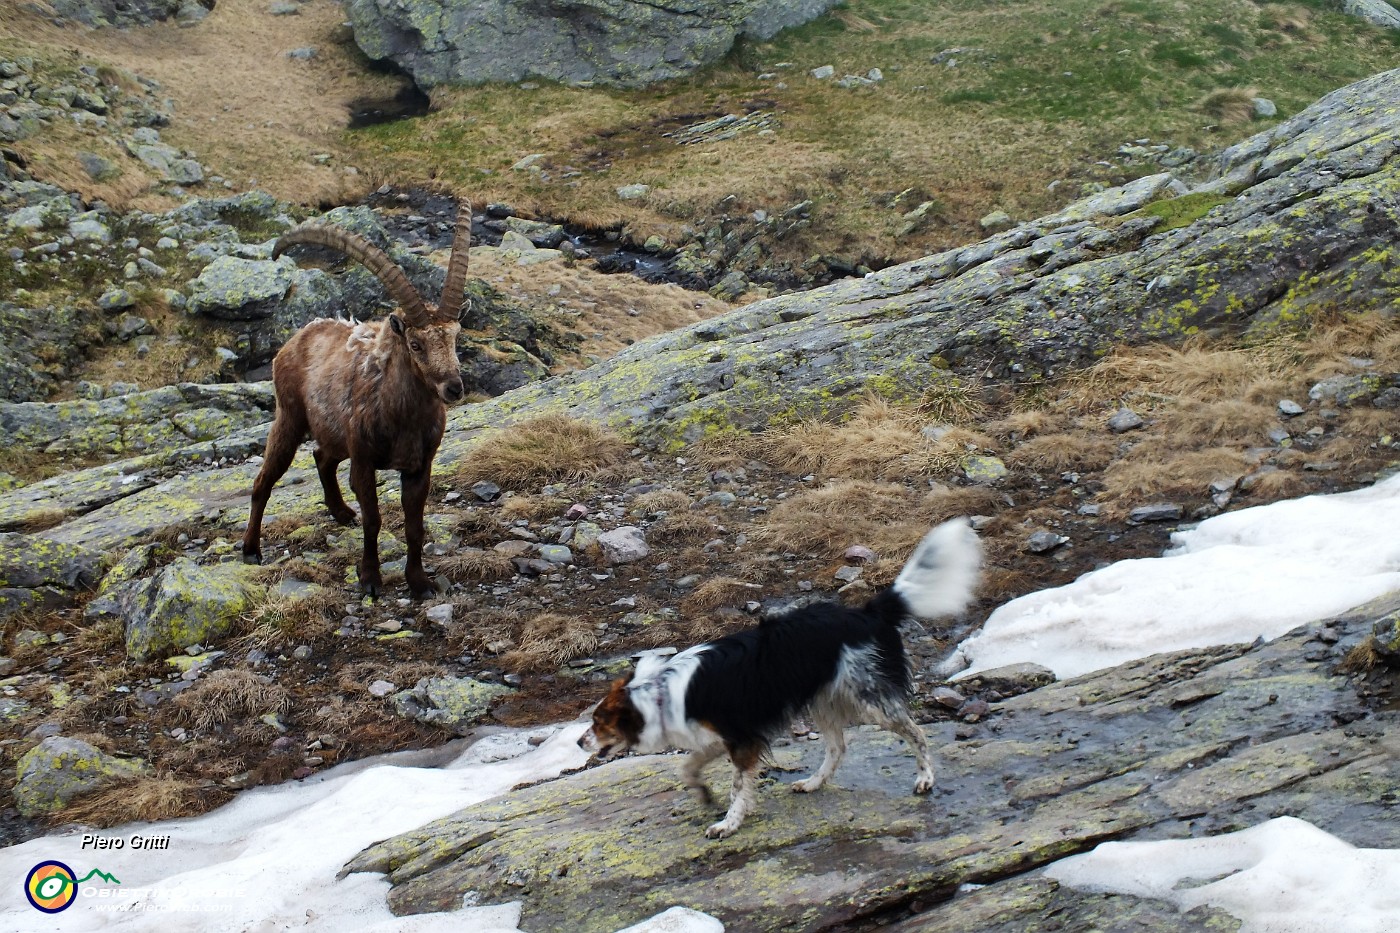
(370, 589)
(422, 589)
(252, 558)
(346, 517)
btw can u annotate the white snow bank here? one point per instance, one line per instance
(1283, 876)
(268, 861)
(1233, 578)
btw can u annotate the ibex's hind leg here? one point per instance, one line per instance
(362, 483)
(335, 501)
(288, 428)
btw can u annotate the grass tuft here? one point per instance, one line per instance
(542, 450)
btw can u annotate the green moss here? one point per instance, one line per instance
(1182, 211)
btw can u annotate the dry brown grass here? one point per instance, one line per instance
(150, 798)
(1020, 426)
(1129, 481)
(717, 592)
(832, 517)
(682, 527)
(1056, 453)
(1197, 370)
(530, 507)
(1220, 422)
(547, 449)
(550, 640)
(230, 696)
(1277, 484)
(660, 500)
(876, 443)
(280, 617)
(476, 564)
(1230, 106)
(489, 631)
(953, 402)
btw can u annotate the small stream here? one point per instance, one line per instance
(418, 217)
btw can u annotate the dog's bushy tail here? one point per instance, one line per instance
(942, 573)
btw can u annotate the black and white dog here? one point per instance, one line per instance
(840, 666)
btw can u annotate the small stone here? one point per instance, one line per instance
(623, 545)
(1289, 408)
(1159, 512)
(381, 688)
(529, 162)
(947, 696)
(848, 574)
(859, 554)
(974, 710)
(996, 221)
(441, 614)
(824, 72)
(633, 192)
(983, 468)
(486, 491)
(115, 299)
(302, 652)
(1264, 108)
(1042, 542)
(1124, 419)
(556, 554)
(575, 512)
(304, 54)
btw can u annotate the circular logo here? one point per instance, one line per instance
(51, 887)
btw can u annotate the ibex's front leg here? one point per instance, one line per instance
(363, 484)
(415, 497)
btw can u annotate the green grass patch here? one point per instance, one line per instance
(1182, 211)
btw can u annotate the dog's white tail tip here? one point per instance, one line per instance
(943, 571)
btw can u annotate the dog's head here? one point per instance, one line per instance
(617, 724)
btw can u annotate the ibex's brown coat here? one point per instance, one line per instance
(373, 393)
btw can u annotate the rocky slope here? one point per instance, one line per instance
(611, 42)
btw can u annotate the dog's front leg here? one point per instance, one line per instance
(741, 803)
(694, 764)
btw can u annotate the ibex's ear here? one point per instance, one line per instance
(396, 323)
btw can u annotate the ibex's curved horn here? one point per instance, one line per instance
(454, 288)
(398, 286)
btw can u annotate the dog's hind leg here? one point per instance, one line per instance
(834, 735)
(741, 804)
(695, 762)
(904, 726)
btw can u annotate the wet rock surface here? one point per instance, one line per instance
(1190, 743)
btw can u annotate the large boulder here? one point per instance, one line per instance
(184, 604)
(454, 703)
(59, 769)
(1376, 12)
(628, 43)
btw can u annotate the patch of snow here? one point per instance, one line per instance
(1257, 572)
(268, 860)
(1283, 876)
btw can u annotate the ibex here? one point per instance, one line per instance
(374, 393)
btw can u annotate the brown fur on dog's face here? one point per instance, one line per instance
(616, 723)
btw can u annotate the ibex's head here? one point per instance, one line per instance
(432, 351)
(429, 334)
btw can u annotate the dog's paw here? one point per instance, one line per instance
(721, 829)
(923, 785)
(806, 786)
